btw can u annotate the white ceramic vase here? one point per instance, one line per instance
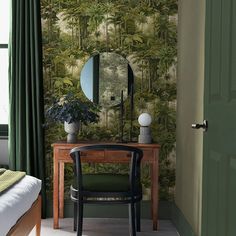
(72, 130)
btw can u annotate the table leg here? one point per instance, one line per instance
(61, 189)
(38, 221)
(155, 198)
(55, 194)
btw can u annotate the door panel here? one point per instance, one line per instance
(219, 151)
(231, 198)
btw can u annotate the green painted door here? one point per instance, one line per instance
(219, 152)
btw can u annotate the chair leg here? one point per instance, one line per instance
(132, 219)
(79, 218)
(138, 221)
(75, 216)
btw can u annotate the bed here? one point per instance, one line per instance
(20, 208)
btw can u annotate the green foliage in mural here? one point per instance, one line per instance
(144, 32)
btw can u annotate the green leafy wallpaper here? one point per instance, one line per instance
(142, 31)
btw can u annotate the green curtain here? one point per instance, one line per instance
(26, 136)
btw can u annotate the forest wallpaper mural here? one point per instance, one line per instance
(143, 32)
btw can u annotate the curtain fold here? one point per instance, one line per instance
(26, 118)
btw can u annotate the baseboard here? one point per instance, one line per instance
(114, 211)
(180, 222)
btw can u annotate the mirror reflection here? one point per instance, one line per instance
(106, 79)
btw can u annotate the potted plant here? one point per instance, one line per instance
(71, 110)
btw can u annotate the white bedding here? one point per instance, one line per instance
(16, 201)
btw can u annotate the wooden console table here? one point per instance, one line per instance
(61, 156)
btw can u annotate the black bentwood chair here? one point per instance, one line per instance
(106, 187)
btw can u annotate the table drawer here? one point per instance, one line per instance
(117, 156)
(92, 156)
(86, 156)
(112, 156)
(123, 156)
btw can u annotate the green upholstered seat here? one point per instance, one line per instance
(106, 182)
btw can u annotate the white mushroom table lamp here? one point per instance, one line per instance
(145, 133)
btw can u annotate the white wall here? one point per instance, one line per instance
(4, 151)
(190, 110)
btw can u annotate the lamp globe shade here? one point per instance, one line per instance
(144, 119)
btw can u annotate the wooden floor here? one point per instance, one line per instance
(105, 227)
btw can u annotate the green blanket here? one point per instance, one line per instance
(9, 178)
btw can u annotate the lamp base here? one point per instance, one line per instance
(145, 135)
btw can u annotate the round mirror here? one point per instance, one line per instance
(106, 79)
